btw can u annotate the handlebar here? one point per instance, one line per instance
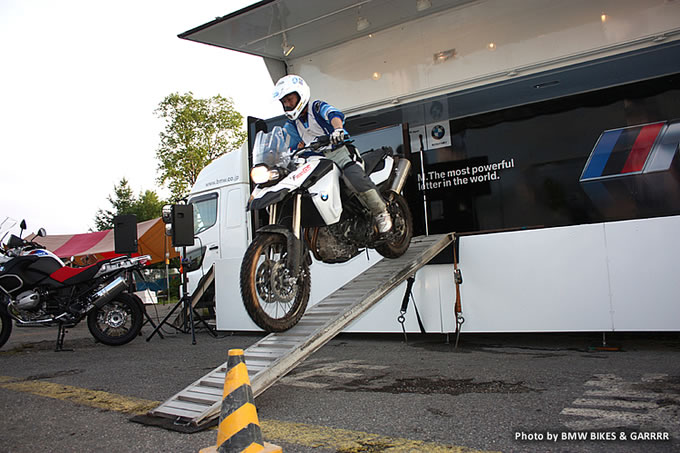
(318, 143)
(15, 245)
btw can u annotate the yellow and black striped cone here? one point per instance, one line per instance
(239, 429)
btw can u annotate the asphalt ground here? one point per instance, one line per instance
(359, 393)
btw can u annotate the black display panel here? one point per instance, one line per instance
(525, 164)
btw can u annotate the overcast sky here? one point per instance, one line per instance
(79, 82)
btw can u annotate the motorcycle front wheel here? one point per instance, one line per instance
(118, 322)
(274, 299)
(5, 326)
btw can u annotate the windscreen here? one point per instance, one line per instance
(272, 148)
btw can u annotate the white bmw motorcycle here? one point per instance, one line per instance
(311, 210)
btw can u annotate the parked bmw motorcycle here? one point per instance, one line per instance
(36, 289)
(312, 211)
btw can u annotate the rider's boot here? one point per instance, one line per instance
(375, 203)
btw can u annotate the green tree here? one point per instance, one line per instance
(123, 202)
(197, 131)
(147, 206)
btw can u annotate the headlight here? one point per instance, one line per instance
(261, 174)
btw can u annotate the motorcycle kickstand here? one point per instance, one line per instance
(61, 333)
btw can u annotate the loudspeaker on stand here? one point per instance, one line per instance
(125, 234)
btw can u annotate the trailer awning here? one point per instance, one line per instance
(89, 247)
(281, 29)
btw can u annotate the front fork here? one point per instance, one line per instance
(297, 215)
(294, 244)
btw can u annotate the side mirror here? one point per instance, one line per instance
(42, 233)
(22, 225)
(166, 214)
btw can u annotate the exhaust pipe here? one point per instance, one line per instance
(403, 169)
(104, 295)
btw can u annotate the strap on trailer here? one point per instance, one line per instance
(458, 280)
(404, 306)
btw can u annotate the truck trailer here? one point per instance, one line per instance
(543, 133)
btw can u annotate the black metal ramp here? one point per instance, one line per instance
(278, 353)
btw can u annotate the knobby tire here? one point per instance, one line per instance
(403, 222)
(249, 289)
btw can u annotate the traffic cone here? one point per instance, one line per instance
(239, 429)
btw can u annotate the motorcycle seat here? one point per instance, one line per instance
(76, 275)
(373, 159)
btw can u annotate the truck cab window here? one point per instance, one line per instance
(205, 212)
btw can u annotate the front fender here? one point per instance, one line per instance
(267, 198)
(294, 246)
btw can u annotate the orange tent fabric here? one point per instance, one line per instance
(87, 248)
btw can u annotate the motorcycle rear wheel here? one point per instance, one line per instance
(263, 280)
(5, 326)
(118, 322)
(402, 229)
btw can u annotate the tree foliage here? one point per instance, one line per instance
(146, 206)
(197, 131)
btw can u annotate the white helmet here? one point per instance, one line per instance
(293, 84)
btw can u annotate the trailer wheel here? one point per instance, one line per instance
(274, 299)
(402, 229)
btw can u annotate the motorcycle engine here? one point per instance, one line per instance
(332, 250)
(27, 300)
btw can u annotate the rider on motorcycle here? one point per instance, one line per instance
(294, 94)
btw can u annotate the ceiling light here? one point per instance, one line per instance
(603, 17)
(287, 49)
(376, 76)
(491, 46)
(362, 23)
(422, 5)
(444, 55)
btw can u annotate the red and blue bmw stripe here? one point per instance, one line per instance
(623, 151)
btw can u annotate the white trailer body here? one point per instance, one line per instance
(598, 247)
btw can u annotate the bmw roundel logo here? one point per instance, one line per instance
(438, 132)
(324, 196)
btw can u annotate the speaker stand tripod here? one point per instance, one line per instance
(187, 308)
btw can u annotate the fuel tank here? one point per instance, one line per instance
(28, 271)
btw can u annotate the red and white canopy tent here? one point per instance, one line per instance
(87, 248)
